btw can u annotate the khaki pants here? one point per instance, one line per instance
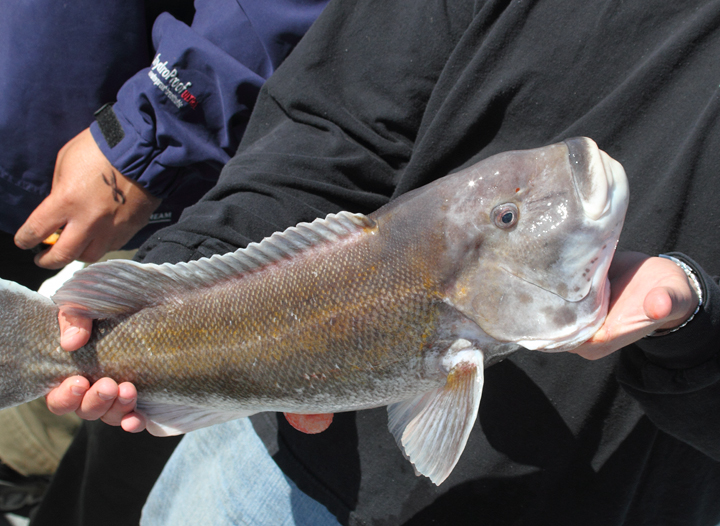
(32, 439)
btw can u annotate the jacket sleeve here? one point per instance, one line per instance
(676, 377)
(191, 106)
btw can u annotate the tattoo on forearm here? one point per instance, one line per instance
(118, 195)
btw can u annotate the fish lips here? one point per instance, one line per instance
(603, 190)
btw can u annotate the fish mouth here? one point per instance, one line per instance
(574, 335)
(595, 174)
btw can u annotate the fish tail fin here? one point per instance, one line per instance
(29, 336)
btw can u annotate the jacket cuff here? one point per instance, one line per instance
(131, 154)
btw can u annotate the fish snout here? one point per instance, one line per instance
(597, 176)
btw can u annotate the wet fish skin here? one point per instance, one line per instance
(400, 308)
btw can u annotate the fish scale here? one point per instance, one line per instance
(404, 307)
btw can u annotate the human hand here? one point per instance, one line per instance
(114, 404)
(98, 208)
(106, 400)
(646, 294)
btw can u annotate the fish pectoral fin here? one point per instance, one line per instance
(169, 420)
(433, 428)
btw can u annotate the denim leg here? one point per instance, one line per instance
(223, 475)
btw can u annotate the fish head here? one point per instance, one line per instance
(533, 233)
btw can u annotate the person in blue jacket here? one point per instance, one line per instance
(52, 82)
(109, 134)
(160, 146)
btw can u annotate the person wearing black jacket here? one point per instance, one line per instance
(382, 97)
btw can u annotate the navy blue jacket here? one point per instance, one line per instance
(174, 123)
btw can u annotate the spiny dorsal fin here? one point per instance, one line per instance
(121, 287)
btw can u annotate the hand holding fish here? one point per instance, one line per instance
(105, 400)
(98, 208)
(646, 294)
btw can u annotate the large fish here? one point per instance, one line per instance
(403, 307)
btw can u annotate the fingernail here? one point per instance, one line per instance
(105, 396)
(125, 401)
(72, 331)
(77, 390)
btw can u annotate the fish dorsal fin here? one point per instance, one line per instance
(121, 286)
(433, 428)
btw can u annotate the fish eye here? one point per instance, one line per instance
(505, 216)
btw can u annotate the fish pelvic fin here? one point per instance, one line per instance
(164, 419)
(121, 287)
(28, 334)
(433, 428)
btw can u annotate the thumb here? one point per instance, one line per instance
(74, 331)
(310, 424)
(658, 303)
(41, 223)
(669, 305)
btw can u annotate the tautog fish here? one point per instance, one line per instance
(402, 308)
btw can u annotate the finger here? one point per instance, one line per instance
(43, 222)
(123, 405)
(68, 396)
(133, 423)
(310, 424)
(608, 339)
(69, 246)
(98, 400)
(669, 305)
(593, 354)
(99, 246)
(74, 331)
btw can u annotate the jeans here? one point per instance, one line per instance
(223, 475)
